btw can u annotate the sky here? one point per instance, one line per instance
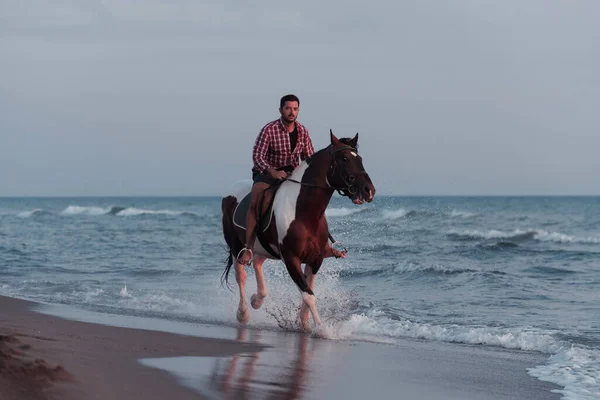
(467, 97)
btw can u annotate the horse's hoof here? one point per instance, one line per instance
(243, 316)
(305, 326)
(256, 301)
(320, 332)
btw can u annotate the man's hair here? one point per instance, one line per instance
(288, 97)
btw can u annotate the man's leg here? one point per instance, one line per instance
(252, 221)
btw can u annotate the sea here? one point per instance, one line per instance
(519, 273)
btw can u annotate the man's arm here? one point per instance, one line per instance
(308, 146)
(261, 146)
(260, 150)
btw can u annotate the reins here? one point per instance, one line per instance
(347, 191)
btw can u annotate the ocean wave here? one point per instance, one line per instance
(120, 211)
(551, 270)
(129, 212)
(29, 214)
(85, 210)
(343, 211)
(407, 268)
(396, 214)
(463, 214)
(576, 369)
(521, 235)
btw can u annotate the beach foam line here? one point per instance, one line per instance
(519, 234)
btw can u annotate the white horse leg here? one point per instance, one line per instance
(310, 280)
(240, 276)
(261, 289)
(311, 302)
(294, 267)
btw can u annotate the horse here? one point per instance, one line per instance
(293, 227)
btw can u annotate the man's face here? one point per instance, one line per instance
(289, 112)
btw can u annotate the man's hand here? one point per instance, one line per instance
(279, 175)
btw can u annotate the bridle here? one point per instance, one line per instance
(350, 188)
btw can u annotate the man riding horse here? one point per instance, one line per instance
(279, 148)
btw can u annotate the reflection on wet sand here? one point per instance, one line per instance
(244, 376)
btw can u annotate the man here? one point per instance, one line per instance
(279, 148)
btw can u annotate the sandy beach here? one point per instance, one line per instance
(57, 357)
(44, 357)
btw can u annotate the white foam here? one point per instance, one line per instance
(536, 234)
(85, 210)
(128, 212)
(27, 214)
(124, 293)
(342, 212)
(394, 214)
(558, 237)
(462, 214)
(576, 369)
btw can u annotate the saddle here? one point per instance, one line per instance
(264, 217)
(265, 212)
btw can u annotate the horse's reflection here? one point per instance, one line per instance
(243, 377)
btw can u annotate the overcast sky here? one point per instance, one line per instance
(152, 97)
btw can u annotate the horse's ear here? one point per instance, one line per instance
(334, 139)
(354, 140)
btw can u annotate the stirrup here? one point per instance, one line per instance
(242, 251)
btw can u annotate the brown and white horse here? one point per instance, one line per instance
(297, 230)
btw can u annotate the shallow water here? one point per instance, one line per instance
(508, 272)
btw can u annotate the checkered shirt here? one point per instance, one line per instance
(272, 147)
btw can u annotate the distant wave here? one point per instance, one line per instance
(343, 211)
(406, 268)
(463, 214)
(119, 211)
(551, 270)
(140, 211)
(403, 213)
(85, 210)
(521, 235)
(28, 214)
(396, 214)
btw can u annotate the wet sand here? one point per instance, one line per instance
(167, 359)
(45, 357)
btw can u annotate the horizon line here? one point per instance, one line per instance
(219, 195)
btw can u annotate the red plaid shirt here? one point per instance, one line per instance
(272, 147)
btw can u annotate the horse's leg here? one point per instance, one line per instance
(240, 276)
(308, 297)
(310, 279)
(261, 289)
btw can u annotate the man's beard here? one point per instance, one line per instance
(289, 121)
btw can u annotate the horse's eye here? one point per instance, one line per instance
(345, 159)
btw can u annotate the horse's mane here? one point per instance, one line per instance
(348, 142)
(345, 140)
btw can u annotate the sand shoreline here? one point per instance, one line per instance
(45, 357)
(93, 360)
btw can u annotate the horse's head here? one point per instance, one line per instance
(347, 174)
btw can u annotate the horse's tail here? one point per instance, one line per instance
(227, 208)
(227, 268)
